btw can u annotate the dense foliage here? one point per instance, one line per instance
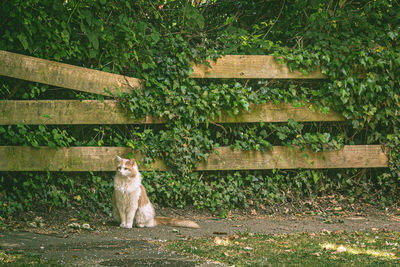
(356, 44)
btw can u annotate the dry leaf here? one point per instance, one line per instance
(286, 210)
(325, 231)
(221, 241)
(356, 218)
(341, 249)
(233, 237)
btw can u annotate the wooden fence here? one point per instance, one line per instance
(57, 112)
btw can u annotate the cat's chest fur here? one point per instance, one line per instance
(126, 184)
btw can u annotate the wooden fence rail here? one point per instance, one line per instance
(103, 159)
(94, 81)
(110, 112)
(250, 67)
(17, 158)
(63, 75)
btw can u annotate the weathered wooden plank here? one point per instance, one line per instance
(63, 75)
(110, 112)
(67, 112)
(15, 158)
(279, 113)
(94, 81)
(250, 66)
(359, 156)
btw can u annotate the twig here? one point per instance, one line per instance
(73, 11)
(162, 18)
(280, 12)
(219, 125)
(15, 89)
(183, 20)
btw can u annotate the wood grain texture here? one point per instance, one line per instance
(94, 81)
(248, 67)
(67, 112)
(110, 112)
(279, 113)
(16, 158)
(281, 157)
(63, 75)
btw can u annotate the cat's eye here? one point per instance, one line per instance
(125, 169)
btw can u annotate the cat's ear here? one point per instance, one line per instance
(132, 162)
(119, 158)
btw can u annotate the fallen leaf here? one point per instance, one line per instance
(233, 237)
(339, 232)
(74, 225)
(286, 210)
(325, 231)
(32, 224)
(341, 249)
(396, 218)
(356, 218)
(221, 241)
(86, 226)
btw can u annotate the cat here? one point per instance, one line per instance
(130, 201)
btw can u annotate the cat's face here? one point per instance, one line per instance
(127, 167)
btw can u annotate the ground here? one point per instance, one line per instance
(63, 238)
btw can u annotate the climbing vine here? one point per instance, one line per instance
(355, 44)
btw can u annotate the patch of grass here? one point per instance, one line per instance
(17, 259)
(322, 249)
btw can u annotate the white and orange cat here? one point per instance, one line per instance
(130, 201)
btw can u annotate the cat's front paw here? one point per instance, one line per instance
(125, 225)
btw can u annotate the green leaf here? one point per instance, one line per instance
(93, 40)
(22, 38)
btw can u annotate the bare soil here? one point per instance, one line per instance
(62, 237)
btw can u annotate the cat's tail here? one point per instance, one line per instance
(175, 222)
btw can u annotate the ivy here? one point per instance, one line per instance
(355, 44)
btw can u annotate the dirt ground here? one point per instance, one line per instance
(64, 238)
